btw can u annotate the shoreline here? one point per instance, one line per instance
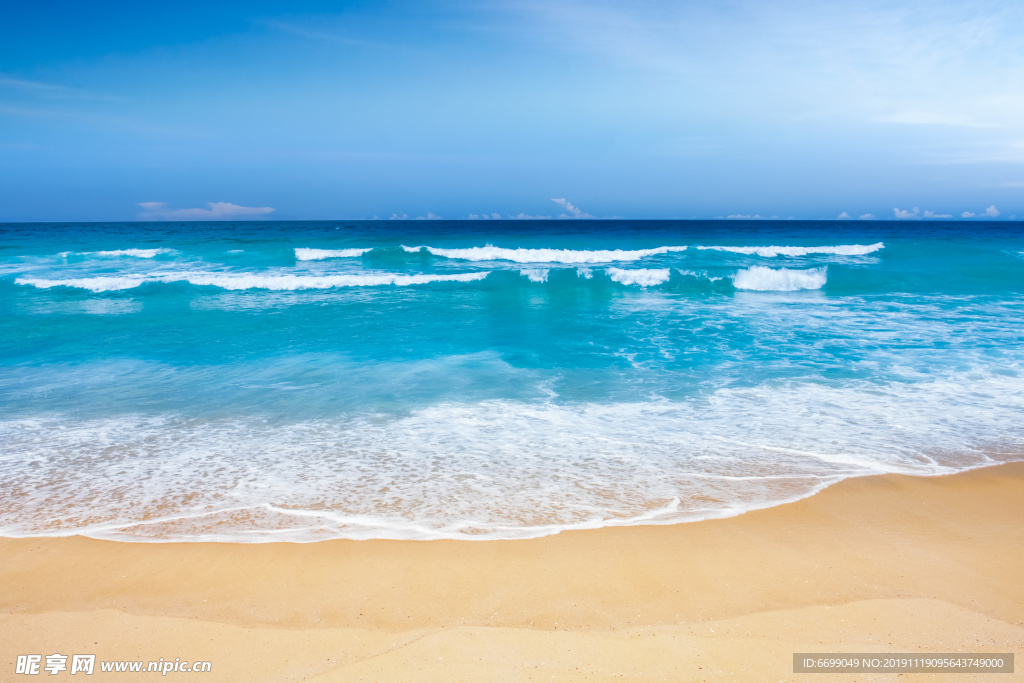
(656, 517)
(870, 564)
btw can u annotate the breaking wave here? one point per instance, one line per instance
(645, 277)
(136, 253)
(841, 250)
(237, 281)
(763, 279)
(304, 254)
(535, 274)
(492, 253)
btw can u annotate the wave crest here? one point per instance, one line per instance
(645, 277)
(306, 254)
(137, 253)
(239, 281)
(764, 279)
(492, 253)
(770, 252)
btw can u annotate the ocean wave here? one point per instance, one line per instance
(492, 253)
(305, 254)
(763, 279)
(136, 253)
(645, 277)
(841, 250)
(535, 274)
(239, 281)
(472, 471)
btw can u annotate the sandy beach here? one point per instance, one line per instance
(884, 563)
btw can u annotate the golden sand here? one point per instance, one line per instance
(887, 563)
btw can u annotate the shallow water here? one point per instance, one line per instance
(493, 379)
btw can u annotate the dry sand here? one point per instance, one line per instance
(887, 563)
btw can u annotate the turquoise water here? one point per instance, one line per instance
(431, 379)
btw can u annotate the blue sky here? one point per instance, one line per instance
(309, 110)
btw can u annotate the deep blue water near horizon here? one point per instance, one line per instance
(255, 381)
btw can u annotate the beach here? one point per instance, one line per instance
(887, 563)
(512, 341)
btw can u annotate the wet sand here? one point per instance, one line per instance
(886, 563)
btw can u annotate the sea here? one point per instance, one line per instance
(299, 381)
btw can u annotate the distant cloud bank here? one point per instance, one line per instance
(218, 211)
(904, 214)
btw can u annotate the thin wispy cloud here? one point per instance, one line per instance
(899, 63)
(338, 37)
(48, 90)
(218, 211)
(932, 118)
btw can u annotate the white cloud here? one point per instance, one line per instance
(747, 217)
(396, 217)
(528, 217)
(428, 217)
(990, 212)
(932, 214)
(867, 216)
(902, 213)
(931, 119)
(843, 216)
(218, 211)
(574, 212)
(485, 217)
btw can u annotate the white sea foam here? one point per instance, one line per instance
(238, 281)
(94, 284)
(763, 279)
(535, 274)
(137, 253)
(492, 469)
(702, 275)
(645, 277)
(492, 253)
(584, 272)
(304, 254)
(841, 250)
